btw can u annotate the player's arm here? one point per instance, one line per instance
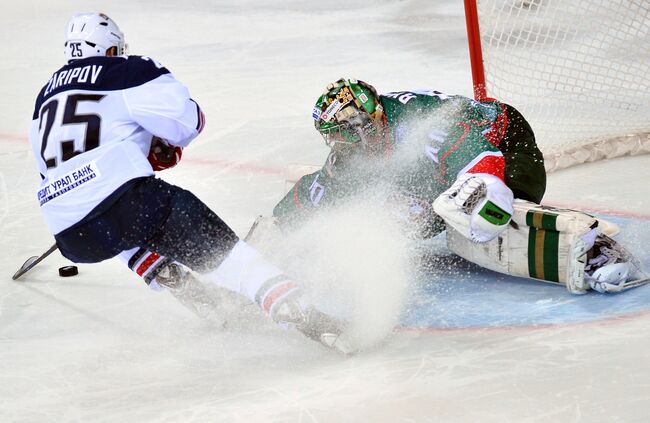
(479, 204)
(302, 201)
(312, 192)
(162, 105)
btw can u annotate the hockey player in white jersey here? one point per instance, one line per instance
(101, 125)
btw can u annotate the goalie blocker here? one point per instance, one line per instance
(556, 246)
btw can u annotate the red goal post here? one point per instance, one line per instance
(578, 70)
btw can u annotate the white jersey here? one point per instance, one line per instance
(92, 128)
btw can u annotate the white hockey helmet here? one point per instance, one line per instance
(92, 34)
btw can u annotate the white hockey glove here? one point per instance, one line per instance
(478, 205)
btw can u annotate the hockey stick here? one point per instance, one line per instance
(32, 261)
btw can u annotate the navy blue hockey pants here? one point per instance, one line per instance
(153, 214)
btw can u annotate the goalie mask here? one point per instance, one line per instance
(347, 112)
(93, 34)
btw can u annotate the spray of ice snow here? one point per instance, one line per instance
(354, 262)
(355, 258)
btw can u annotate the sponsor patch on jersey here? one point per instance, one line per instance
(68, 182)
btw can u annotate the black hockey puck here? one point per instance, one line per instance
(66, 271)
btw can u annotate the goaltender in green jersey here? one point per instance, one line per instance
(452, 163)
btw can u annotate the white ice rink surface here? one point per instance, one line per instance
(101, 347)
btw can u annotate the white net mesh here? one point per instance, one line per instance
(578, 70)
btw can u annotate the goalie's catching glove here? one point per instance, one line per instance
(162, 155)
(477, 205)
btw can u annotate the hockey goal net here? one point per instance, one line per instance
(578, 70)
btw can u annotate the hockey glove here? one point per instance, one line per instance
(162, 155)
(477, 205)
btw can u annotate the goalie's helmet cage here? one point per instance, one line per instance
(343, 102)
(92, 34)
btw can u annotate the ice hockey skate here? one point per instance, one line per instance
(193, 294)
(610, 267)
(314, 324)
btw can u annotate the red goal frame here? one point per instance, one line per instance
(475, 51)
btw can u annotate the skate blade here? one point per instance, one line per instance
(337, 342)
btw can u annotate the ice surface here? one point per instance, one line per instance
(102, 347)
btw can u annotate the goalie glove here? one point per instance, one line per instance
(479, 206)
(162, 155)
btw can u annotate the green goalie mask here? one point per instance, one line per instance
(347, 112)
